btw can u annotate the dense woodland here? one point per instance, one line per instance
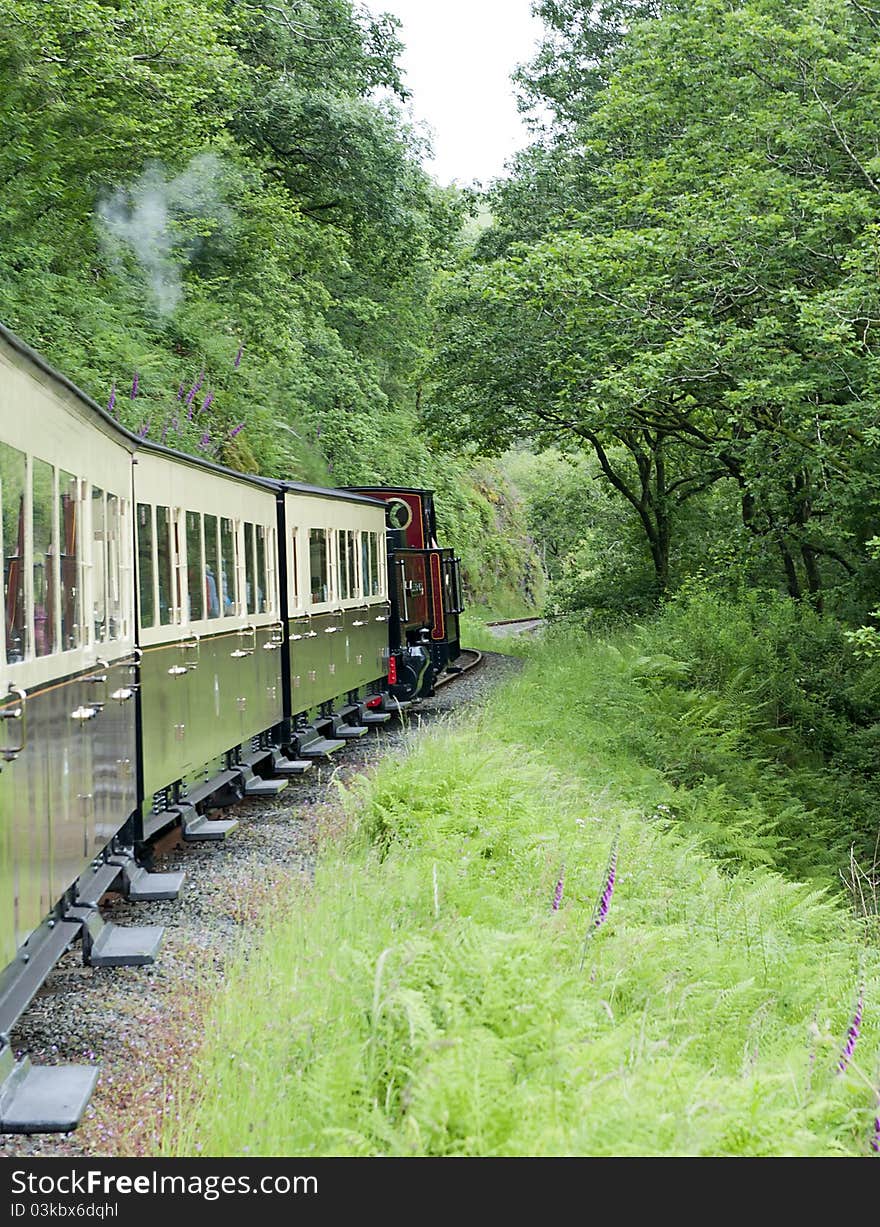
(641, 370)
(213, 218)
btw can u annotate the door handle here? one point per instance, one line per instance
(16, 713)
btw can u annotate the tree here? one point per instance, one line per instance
(696, 310)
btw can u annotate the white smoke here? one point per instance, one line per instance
(152, 218)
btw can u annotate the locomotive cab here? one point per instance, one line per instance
(424, 587)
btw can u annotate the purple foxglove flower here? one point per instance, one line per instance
(603, 903)
(236, 430)
(145, 429)
(134, 385)
(164, 433)
(180, 391)
(852, 1034)
(192, 392)
(875, 1140)
(112, 401)
(205, 440)
(557, 894)
(607, 893)
(237, 362)
(207, 401)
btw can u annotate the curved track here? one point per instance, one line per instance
(476, 658)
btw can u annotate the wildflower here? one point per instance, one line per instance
(236, 430)
(605, 901)
(180, 392)
(237, 362)
(557, 894)
(134, 385)
(875, 1137)
(191, 394)
(205, 439)
(852, 1035)
(112, 401)
(207, 401)
(600, 911)
(144, 430)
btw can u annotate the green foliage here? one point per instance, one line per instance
(692, 289)
(424, 998)
(181, 178)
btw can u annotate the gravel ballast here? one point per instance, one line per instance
(143, 1023)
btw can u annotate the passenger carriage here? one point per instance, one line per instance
(176, 636)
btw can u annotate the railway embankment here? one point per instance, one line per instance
(533, 932)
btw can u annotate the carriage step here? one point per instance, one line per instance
(350, 709)
(258, 787)
(351, 731)
(126, 946)
(321, 748)
(198, 829)
(146, 887)
(375, 717)
(43, 1098)
(92, 886)
(290, 766)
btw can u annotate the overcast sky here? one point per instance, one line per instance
(458, 60)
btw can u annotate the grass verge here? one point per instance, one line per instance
(425, 998)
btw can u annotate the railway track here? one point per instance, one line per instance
(475, 658)
(514, 626)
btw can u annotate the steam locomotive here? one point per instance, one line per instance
(176, 636)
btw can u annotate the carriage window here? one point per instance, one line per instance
(351, 538)
(163, 561)
(194, 570)
(250, 579)
(99, 564)
(375, 585)
(12, 485)
(320, 580)
(114, 567)
(294, 568)
(212, 567)
(145, 564)
(365, 565)
(43, 511)
(272, 571)
(344, 581)
(227, 567)
(263, 585)
(71, 598)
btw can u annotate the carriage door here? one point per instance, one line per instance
(172, 612)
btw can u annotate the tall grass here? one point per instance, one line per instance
(425, 997)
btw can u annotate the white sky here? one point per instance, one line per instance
(457, 63)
